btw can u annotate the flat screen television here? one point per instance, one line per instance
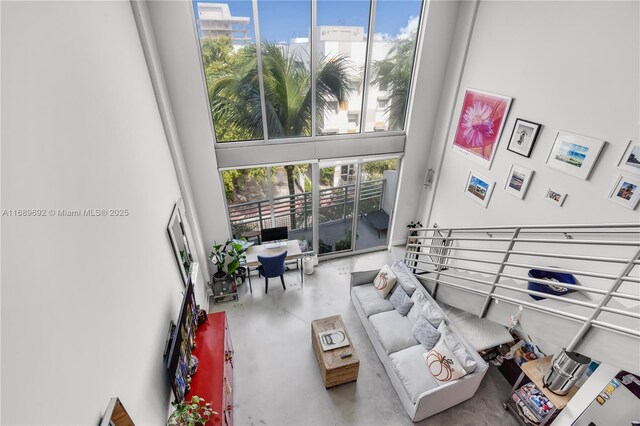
(281, 233)
(180, 343)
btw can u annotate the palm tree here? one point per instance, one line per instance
(234, 95)
(395, 72)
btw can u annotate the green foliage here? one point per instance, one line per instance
(236, 251)
(345, 244)
(195, 412)
(375, 169)
(395, 72)
(234, 93)
(326, 176)
(218, 255)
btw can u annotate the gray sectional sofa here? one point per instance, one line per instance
(402, 355)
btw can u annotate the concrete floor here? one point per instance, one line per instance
(276, 376)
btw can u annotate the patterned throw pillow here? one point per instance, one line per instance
(443, 364)
(384, 281)
(425, 333)
(401, 301)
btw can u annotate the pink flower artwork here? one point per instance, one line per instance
(481, 121)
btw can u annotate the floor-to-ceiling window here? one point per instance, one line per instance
(267, 197)
(352, 199)
(298, 69)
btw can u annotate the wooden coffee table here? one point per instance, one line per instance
(335, 370)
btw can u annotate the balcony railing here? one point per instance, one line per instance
(296, 211)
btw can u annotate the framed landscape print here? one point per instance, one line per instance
(630, 161)
(555, 197)
(626, 191)
(523, 137)
(574, 154)
(518, 180)
(479, 188)
(480, 124)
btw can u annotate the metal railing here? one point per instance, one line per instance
(295, 211)
(492, 262)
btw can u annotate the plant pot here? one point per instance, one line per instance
(219, 277)
(241, 274)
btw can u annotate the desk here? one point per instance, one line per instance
(293, 253)
(535, 370)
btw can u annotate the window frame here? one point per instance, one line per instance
(315, 136)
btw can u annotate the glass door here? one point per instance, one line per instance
(376, 197)
(336, 202)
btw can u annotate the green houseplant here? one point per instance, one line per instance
(236, 251)
(219, 257)
(195, 412)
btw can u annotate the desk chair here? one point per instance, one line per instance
(271, 267)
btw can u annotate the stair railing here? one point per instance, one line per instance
(441, 255)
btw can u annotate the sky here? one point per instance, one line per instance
(280, 20)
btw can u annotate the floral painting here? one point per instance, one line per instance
(481, 121)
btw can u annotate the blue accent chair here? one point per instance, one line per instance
(271, 267)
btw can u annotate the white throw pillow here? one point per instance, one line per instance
(422, 306)
(384, 281)
(419, 302)
(443, 364)
(456, 346)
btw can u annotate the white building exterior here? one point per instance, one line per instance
(215, 20)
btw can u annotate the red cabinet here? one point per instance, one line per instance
(214, 379)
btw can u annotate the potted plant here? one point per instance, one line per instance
(236, 252)
(195, 412)
(219, 257)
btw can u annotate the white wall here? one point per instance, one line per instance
(174, 31)
(86, 302)
(568, 65)
(437, 36)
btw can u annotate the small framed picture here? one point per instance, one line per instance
(518, 180)
(479, 188)
(555, 197)
(574, 154)
(523, 137)
(626, 191)
(630, 161)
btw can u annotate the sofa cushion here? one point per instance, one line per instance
(393, 330)
(384, 281)
(422, 306)
(443, 364)
(458, 349)
(370, 300)
(403, 276)
(425, 332)
(400, 301)
(409, 366)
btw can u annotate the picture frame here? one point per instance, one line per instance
(555, 197)
(626, 191)
(482, 118)
(523, 137)
(574, 154)
(518, 180)
(630, 160)
(479, 188)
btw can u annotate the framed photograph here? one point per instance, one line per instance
(479, 188)
(523, 137)
(518, 180)
(480, 124)
(555, 197)
(630, 161)
(626, 191)
(574, 154)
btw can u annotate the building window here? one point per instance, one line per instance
(274, 98)
(382, 103)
